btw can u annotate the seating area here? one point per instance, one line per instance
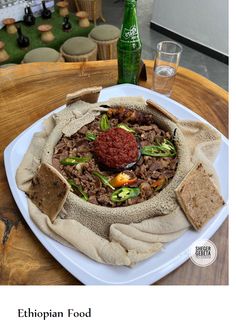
(66, 36)
(16, 54)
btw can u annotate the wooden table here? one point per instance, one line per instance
(28, 92)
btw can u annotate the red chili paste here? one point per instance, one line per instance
(116, 148)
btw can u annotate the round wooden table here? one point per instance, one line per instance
(30, 91)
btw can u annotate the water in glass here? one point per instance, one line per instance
(163, 79)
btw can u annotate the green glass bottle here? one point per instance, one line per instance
(129, 46)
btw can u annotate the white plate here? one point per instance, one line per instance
(93, 273)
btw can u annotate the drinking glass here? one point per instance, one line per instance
(165, 66)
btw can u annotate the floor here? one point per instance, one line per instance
(206, 66)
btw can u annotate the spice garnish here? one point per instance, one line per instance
(90, 136)
(124, 194)
(103, 179)
(166, 149)
(104, 123)
(126, 128)
(159, 184)
(79, 189)
(71, 161)
(122, 179)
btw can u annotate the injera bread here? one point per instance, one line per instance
(198, 196)
(48, 190)
(125, 235)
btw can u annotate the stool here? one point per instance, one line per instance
(106, 37)
(42, 55)
(79, 49)
(83, 19)
(92, 7)
(3, 54)
(10, 25)
(46, 33)
(63, 8)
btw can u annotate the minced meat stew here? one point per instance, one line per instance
(119, 159)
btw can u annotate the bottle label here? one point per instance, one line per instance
(130, 35)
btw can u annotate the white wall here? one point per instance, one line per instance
(203, 21)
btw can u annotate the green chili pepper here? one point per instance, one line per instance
(71, 161)
(104, 180)
(79, 189)
(168, 146)
(124, 194)
(126, 128)
(104, 123)
(90, 136)
(166, 149)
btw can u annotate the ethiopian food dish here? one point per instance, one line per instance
(119, 159)
(117, 180)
